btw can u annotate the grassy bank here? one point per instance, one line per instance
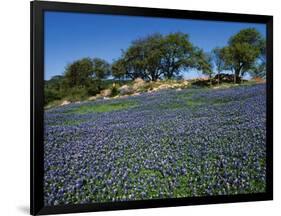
(113, 89)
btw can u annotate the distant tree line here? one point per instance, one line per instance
(160, 56)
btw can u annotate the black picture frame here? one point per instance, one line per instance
(37, 111)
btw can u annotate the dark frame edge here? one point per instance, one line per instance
(150, 12)
(149, 204)
(31, 111)
(269, 103)
(36, 110)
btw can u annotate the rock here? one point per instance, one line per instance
(105, 93)
(65, 103)
(92, 98)
(123, 96)
(125, 90)
(138, 83)
(98, 96)
(163, 86)
(136, 94)
(226, 78)
(139, 80)
(259, 80)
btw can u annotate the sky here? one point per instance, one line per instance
(71, 36)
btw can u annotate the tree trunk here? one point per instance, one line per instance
(169, 74)
(236, 75)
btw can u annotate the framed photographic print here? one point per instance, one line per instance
(141, 107)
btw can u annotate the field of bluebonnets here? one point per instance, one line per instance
(194, 142)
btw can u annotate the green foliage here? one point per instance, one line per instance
(78, 73)
(77, 94)
(249, 35)
(55, 83)
(81, 79)
(242, 51)
(53, 89)
(114, 91)
(178, 54)
(142, 58)
(258, 70)
(217, 56)
(101, 69)
(156, 56)
(51, 95)
(118, 69)
(152, 55)
(86, 74)
(94, 86)
(204, 62)
(106, 107)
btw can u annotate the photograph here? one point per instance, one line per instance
(148, 108)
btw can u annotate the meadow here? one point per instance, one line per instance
(162, 144)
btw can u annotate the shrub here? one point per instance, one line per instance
(51, 95)
(114, 91)
(77, 94)
(94, 87)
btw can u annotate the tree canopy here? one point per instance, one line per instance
(177, 54)
(82, 72)
(101, 69)
(159, 56)
(242, 51)
(78, 73)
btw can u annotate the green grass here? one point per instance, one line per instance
(195, 103)
(188, 101)
(152, 191)
(183, 190)
(100, 108)
(149, 173)
(68, 123)
(108, 84)
(170, 106)
(53, 104)
(73, 122)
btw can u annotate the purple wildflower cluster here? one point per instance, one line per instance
(194, 142)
